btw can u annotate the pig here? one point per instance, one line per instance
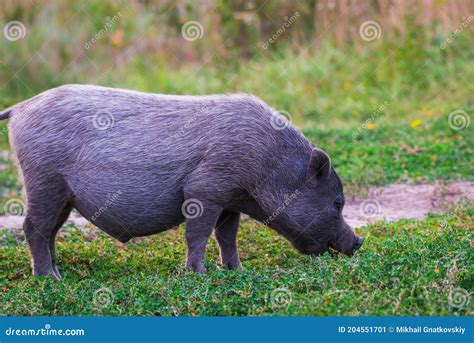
(136, 164)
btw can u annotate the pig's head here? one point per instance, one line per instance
(313, 220)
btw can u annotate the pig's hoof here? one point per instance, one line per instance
(233, 266)
(197, 268)
(55, 273)
(200, 269)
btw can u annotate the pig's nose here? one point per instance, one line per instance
(359, 243)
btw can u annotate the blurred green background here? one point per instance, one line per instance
(319, 68)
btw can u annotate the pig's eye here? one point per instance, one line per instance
(338, 205)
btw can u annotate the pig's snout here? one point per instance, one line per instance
(349, 243)
(358, 243)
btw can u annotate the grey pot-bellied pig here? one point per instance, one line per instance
(135, 164)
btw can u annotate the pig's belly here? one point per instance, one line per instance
(128, 208)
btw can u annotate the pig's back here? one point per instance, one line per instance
(85, 126)
(105, 140)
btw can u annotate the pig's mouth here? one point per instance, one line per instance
(349, 252)
(332, 251)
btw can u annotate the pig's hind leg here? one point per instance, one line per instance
(66, 211)
(46, 212)
(226, 234)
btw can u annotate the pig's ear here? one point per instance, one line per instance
(319, 164)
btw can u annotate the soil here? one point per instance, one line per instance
(398, 201)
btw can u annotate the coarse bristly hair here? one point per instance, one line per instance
(128, 160)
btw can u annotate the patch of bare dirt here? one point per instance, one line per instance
(399, 201)
(388, 203)
(11, 221)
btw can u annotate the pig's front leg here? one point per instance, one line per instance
(226, 234)
(201, 218)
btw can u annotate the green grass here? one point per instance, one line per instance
(404, 268)
(398, 152)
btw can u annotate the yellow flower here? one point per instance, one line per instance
(436, 270)
(415, 123)
(371, 126)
